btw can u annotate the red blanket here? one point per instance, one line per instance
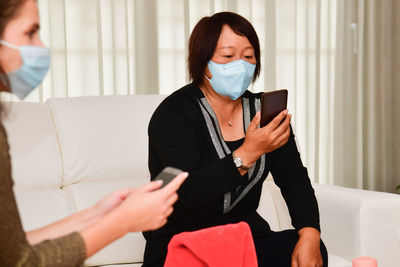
(227, 245)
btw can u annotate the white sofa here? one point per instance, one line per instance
(70, 152)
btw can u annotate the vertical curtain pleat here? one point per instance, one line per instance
(114, 54)
(369, 86)
(127, 53)
(329, 144)
(360, 96)
(186, 14)
(337, 149)
(270, 46)
(386, 85)
(100, 49)
(232, 5)
(65, 48)
(306, 88)
(58, 44)
(132, 48)
(317, 89)
(146, 61)
(394, 140)
(212, 6)
(295, 33)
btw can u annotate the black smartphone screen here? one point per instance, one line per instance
(272, 103)
(167, 175)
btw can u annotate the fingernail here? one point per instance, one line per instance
(286, 112)
(185, 174)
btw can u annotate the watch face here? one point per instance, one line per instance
(238, 162)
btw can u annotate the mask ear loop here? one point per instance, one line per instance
(9, 45)
(206, 75)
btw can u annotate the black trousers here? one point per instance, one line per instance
(275, 249)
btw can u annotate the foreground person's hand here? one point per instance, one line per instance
(147, 208)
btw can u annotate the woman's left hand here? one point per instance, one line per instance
(307, 252)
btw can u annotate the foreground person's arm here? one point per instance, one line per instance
(14, 248)
(144, 209)
(80, 220)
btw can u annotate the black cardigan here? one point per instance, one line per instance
(184, 133)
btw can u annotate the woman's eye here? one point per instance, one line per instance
(228, 56)
(248, 57)
(31, 33)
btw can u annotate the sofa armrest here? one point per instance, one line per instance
(358, 222)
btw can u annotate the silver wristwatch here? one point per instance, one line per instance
(239, 163)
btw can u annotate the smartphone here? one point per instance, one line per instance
(272, 103)
(167, 175)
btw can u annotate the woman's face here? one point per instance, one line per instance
(232, 47)
(23, 29)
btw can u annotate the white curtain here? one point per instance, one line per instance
(334, 57)
(366, 149)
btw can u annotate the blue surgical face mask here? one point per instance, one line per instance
(36, 63)
(231, 79)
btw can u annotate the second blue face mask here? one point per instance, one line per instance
(231, 79)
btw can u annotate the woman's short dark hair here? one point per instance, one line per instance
(204, 38)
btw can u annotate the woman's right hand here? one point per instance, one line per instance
(259, 141)
(148, 207)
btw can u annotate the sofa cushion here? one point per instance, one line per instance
(103, 138)
(359, 222)
(40, 207)
(337, 261)
(129, 249)
(273, 207)
(35, 156)
(125, 250)
(87, 194)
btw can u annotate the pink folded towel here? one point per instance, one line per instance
(227, 245)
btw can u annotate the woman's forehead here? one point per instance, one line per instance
(229, 39)
(27, 16)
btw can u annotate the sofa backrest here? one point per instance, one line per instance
(36, 161)
(103, 138)
(36, 164)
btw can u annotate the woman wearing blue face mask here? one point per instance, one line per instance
(24, 63)
(210, 128)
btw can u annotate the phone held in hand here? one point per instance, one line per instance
(272, 103)
(167, 175)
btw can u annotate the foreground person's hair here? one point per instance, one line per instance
(8, 10)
